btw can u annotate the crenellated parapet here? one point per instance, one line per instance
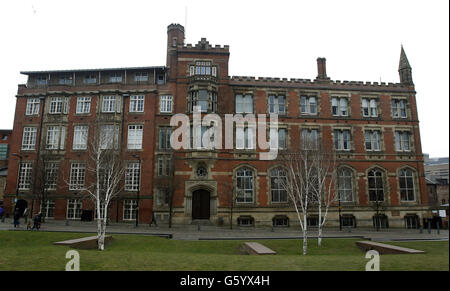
(334, 84)
(204, 45)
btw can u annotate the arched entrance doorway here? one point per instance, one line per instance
(200, 204)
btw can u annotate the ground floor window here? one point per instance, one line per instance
(348, 220)
(48, 208)
(380, 221)
(246, 221)
(312, 221)
(411, 221)
(280, 221)
(73, 209)
(129, 209)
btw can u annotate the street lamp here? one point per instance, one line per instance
(138, 192)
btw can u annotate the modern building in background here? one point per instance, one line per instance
(437, 171)
(373, 126)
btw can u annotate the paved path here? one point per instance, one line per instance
(191, 232)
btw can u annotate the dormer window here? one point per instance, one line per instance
(90, 79)
(141, 77)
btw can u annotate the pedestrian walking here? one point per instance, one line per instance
(153, 220)
(37, 221)
(2, 212)
(16, 218)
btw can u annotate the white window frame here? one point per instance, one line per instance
(56, 136)
(403, 174)
(372, 137)
(46, 206)
(83, 105)
(129, 209)
(345, 194)
(399, 108)
(29, 138)
(24, 177)
(276, 105)
(246, 103)
(337, 102)
(111, 103)
(80, 137)
(109, 136)
(33, 105)
(77, 176)
(51, 175)
(74, 207)
(132, 176)
(248, 192)
(137, 103)
(339, 135)
(165, 103)
(58, 105)
(402, 141)
(135, 136)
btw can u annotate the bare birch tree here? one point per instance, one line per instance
(105, 175)
(323, 163)
(299, 183)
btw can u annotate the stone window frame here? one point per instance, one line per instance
(415, 178)
(62, 136)
(385, 179)
(405, 98)
(352, 140)
(368, 97)
(378, 128)
(309, 127)
(269, 187)
(310, 93)
(244, 92)
(339, 96)
(276, 93)
(355, 188)
(191, 68)
(280, 217)
(255, 201)
(408, 129)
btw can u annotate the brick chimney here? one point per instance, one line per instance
(322, 69)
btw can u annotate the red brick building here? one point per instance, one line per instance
(373, 126)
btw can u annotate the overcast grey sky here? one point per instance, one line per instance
(360, 39)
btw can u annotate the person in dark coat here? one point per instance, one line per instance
(37, 221)
(16, 218)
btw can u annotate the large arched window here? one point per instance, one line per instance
(345, 185)
(277, 180)
(376, 185)
(244, 185)
(406, 181)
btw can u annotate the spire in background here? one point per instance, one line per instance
(404, 69)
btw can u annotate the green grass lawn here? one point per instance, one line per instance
(22, 250)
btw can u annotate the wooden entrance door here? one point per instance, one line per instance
(200, 204)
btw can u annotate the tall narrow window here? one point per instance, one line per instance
(339, 106)
(73, 209)
(24, 180)
(345, 185)
(32, 106)
(277, 104)
(135, 134)
(277, 185)
(137, 103)
(402, 141)
(342, 140)
(132, 177)
(29, 138)
(129, 209)
(245, 138)
(109, 136)
(164, 165)
(77, 176)
(164, 138)
(399, 108)
(245, 185)
(376, 186)
(369, 107)
(406, 182)
(55, 137)
(165, 104)
(282, 140)
(48, 208)
(372, 140)
(80, 137)
(51, 175)
(308, 105)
